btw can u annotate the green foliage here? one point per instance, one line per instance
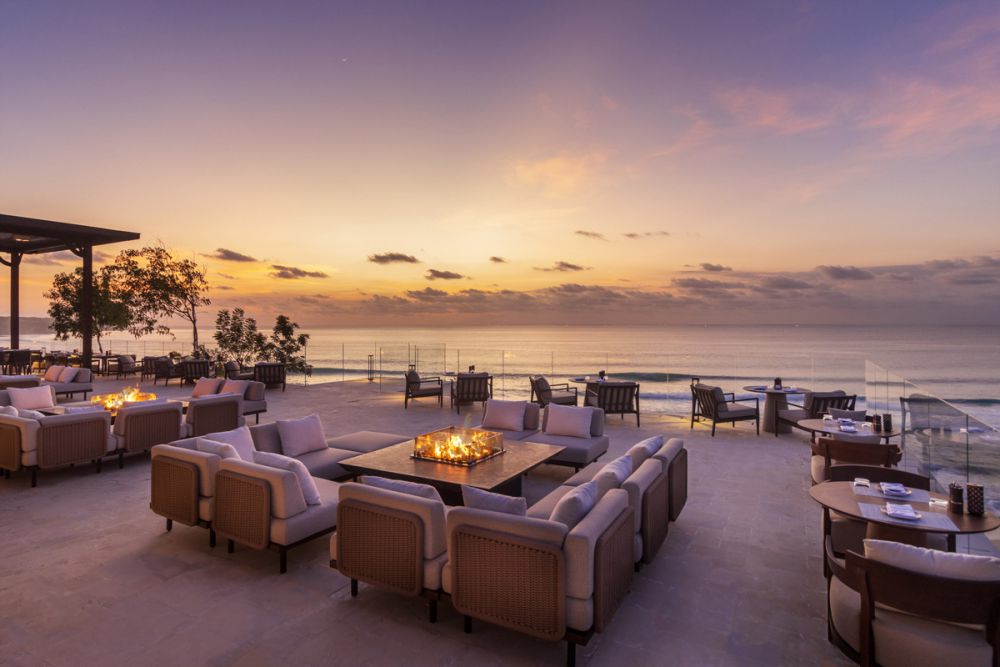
(238, 338)
(111, 311)
(162, 286)
(286, 344)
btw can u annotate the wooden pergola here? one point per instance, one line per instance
(28, 236)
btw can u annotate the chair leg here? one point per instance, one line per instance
(121, 459)
(170, 525)
(570, 654)
(211, 538)
(230, 546)
(282, 558)
(98, 467)
(432, 612)
(713, 428)
(354, 588)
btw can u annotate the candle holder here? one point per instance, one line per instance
(975, 500)
(887, 423)
(777, 383)
(877, 423)
(956, 502)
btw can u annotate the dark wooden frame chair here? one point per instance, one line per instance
(471, 388)
(858, 453)
(415, 388)
(708, 407)
(271, 373)
(820, 404)
(942, 599)
(167, 370)
(619, 398)
(126, 366)
(195, 369)
(566, 395)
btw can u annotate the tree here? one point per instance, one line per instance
(110, 312)
(164, 286)
(238, 337)
(285, 344)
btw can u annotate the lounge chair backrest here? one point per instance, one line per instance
(266, 438)
(287, 498)
(430, 512)
(596, 420)
(708, 398)
(543, 392)
(841, 451)
(210, 414)
(269, 372)
(817, 404)
(147, 424)
(615, 397)
(469, 387)
(197, 368)
(412, 378)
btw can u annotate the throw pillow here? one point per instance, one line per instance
(52, 373)
(402, 486)
(643, 449)
(238, 387)
(220, 449)
(205, 387)
(31, 398)
(504, 415)
(8, 411)
(575, 505)
(933, 562)
(68, 374)
(567, 420)
(30, 414)
(301, 436)
(494, 502)
(281, 462)
(613, 475)
(239, 438)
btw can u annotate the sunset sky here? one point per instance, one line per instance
(374, 163)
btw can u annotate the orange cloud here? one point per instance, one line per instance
(560, 175)
(785, 113)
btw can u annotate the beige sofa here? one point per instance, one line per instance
(82, 383)
(264, 508)
(537, 577)
(252, 394)
(54, 441)
(578, 452)
(390, 540)
(325, 463)
(139, 427)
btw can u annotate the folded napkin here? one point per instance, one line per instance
(848, 428)
(901, 511)
(845, 420)
(893, 489)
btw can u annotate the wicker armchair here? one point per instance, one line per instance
(469, 388)
(713, 404)
(815, 404)
(418, 387)
(535, 576)
(139, 427)
(616, 398)
(210, 414)
(263, 508)
(543, 393)
(167, 370)
(390, 540)
(236, 372)
(899, 605)
(182, 484)
(270, 373)
(54, 441)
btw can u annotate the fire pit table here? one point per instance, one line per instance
(492, 467)
(108, 402)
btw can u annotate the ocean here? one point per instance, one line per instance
(958, 364)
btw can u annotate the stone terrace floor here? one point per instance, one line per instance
(90, 577)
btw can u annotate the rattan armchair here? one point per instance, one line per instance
(390, 540)
(469, 388)
(209, 414)
(713, 404)
(54, 441)
(263, 508)
(536, 577)
(139, 427)
(182, 484)
(422, 387)
(543, 393)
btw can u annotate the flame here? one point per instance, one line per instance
(458, 445)
(111, 402)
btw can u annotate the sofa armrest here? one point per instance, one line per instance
(286, 498)
(581, 542)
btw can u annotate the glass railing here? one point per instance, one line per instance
(939, 439)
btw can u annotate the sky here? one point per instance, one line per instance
(369, 163)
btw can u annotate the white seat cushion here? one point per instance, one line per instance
(221, 449)
(567, 421)
(301, 436)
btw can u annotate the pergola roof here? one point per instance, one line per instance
(30, 236)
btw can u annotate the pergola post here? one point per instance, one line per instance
(87, 305)
(15, 298)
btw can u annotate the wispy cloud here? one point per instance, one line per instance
(227, 255)
(559, 175)
(846, 272)
(293, 272)
(562, 267)
(498, 260)
(780, 111)
(644, 235)
(714, 268)
(597, 236)
(393, 258)
(434, 274)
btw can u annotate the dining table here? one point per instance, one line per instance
(868, 504)
(775, 399)
(862, 428)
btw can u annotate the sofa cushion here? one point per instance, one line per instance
(571, 509)
(306, 483)
(29, 414)
(402, 486)
(325, 463)
(205, 387)
(614, 474)
(643, 449)
(933, 562)
(543, 508)
(504, 415)
(9, 411)
(316, 519)
(581, 543)
(68, 374)
(494, 502)
(363, 442)
(31, 398)
(669, 451)
(52, 373)
(239, 438)
(578, 451)
(238, 387)
(221, 449)
(567, 421)
(300, 436)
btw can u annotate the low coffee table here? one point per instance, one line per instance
(500, 474)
